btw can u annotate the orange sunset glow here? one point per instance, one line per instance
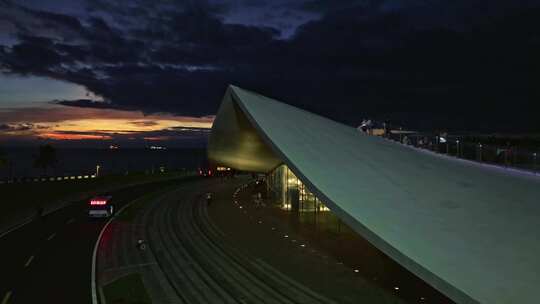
(72, 123)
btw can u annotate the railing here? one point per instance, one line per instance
(75, 177)
(509, 156)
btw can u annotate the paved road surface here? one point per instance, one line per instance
(49, 260)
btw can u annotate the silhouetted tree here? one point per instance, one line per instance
(46, 158)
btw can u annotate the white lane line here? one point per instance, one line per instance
(93, 282)
(30, 259)
(51, 236)
(2, 234)
(71, 220)
(6, 297)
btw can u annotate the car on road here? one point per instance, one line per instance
(205, 172)
(101, 206)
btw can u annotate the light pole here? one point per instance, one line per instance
(457, 148)
(97, 170)
(480, 152)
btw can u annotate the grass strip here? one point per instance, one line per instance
(128, 289)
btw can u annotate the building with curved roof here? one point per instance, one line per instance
(468, 230)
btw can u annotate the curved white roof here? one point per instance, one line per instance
(469, 230)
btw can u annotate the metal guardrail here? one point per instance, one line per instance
(45, 179)
(506, 156)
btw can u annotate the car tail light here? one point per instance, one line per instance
(98, 202)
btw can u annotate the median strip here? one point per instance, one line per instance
(127, 289)
(93, 283)
(130, 212)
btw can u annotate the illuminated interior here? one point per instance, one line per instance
(292, 198)
(291, 194)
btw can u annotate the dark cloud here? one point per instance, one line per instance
(423, 64)
(323, 6)
(18, 127)
(86, 103)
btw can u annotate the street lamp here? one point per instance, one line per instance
(479, 152)
(457, 148)
(97, 170)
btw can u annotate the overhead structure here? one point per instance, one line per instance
(469, 230)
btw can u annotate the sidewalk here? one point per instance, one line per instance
(275, 243)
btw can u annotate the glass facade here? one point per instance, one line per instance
(288, 193)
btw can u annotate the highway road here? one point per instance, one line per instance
(49, 260)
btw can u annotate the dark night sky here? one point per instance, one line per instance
(459, 65)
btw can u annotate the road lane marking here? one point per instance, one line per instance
(71, 220)
(28, 220)
(51, 236)
(6, 297)
(30, 259)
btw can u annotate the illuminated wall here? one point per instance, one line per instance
(235, 143)
(289, 194)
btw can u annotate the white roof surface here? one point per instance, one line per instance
(471, 231)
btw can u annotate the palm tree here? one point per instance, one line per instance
(46, 158)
